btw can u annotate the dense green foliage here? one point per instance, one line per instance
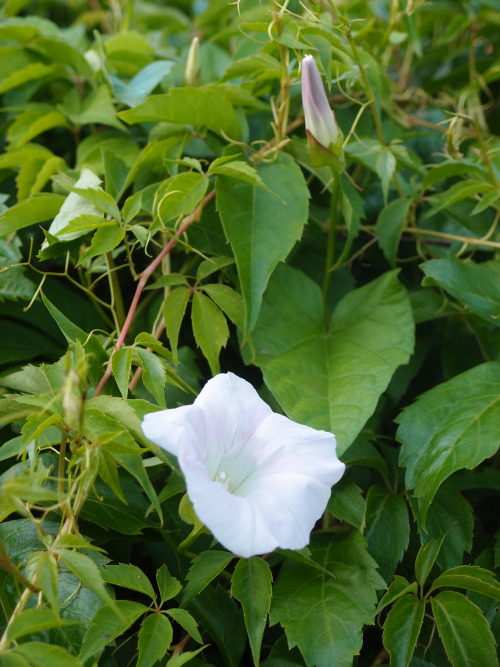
(161, 221)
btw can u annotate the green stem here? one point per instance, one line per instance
(371, 98)
(332, 231)
(21, 604)
(118, 308)
(61, 467)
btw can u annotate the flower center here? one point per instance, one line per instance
(222, 478)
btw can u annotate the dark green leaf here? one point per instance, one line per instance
(155, 636)
(106, 238)
(402, 628)
(464, 631)
(471, 577)
(426, 558)
(187, 622)
(87, 571)
(41, 655)
(154, 375)
(252, 586)
(221, 618)
(332, 381)
(128, 576)
(261, 227)
(121, 363)
(204, 569)
(30, 211)
(228, 300)
(398, 587)
(107, 625)
(324, 616)
(387, 528)
(168, 585)
(457, 426)
(31, 621)
(389, 227)
(174, 308)
(347, 503)
(209, 328)
(450, 516)
(202, 107)
(476, 285)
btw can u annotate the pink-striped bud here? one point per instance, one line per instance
(325, 138)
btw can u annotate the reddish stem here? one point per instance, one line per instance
(143, 279)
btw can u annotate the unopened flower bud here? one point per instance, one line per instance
(192, 71)
(325, 137)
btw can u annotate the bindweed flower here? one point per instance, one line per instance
(325, 138)
(256, 479)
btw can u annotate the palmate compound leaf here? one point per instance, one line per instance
(452, 426)
(322, 615)
(332, 380)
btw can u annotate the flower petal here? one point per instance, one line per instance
(280, 501)
(256, 479)
(319, 117)
(232, 410)
(171, 429)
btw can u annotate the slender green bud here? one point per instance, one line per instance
(192, 71)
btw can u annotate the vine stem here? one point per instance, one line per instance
(143, 279)
(332, 231)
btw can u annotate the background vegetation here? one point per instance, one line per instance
(160, 223)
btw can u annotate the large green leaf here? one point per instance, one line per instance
(128, 576)
(107, 625)
(204, 569)
(387, 528)
(464, 631)
(262, 227)
(401, 629)
(322, 615)
(449, 518)
(223, 621)
(389, 227)
(202, 107)
(347, 503)
(252, 586)
(210, 329)
(64, 591)
(30, 211)
(477, 286)
(332, 380)
(452, 426)
(180, 195)
(13, 283)
(155, 636)
(471, 577)
(31, 621)
(40, 655)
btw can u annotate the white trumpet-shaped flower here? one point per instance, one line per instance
(256, 479)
